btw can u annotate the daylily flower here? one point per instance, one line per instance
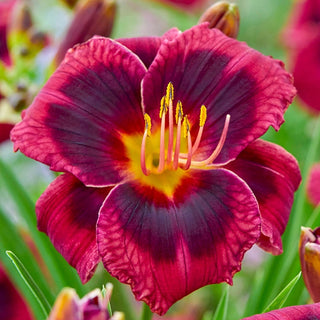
(309, 250)
(313, 186)
(12, 305)
(169, 200)
(304, 312)
(92, 306)
(302, 37)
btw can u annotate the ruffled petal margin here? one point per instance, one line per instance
(306, 312)
(76, 121)
(273, 175)
(208, 68)
(146, 48)
(165, 247)
(68, 212)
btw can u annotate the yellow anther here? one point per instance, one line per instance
(179, 111)
(163, 107)
(203, 116)
(147, 121)
(186, 127)
(169, 93)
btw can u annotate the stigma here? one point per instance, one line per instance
(177, 127)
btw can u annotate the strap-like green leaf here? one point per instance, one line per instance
(43, 302)
(281, 298)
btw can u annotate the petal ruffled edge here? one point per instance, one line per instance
(76, 122)
(228, 77)
(68, 212)
(166, 248)
(273, 175)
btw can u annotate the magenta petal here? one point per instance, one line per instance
(67, 212)
(165, 247)
(207, 67)
(12, 305)
(5, 129)
(76, 121)
(306, 72)
(313, 187)
(273, 175)
(146, 48)
(6, 7)
(306, 312)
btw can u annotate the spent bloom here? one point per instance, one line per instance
(165, 179)
(309, 251)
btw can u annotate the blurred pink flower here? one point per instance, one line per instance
(313, 186)
(302, 36)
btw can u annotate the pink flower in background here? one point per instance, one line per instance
(165, 179)
(12, 305)
(305, 312)
(302, 36)
(313, 186)
(6, 7)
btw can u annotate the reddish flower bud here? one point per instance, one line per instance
(309, 249)
(92, 17)
(223, 16)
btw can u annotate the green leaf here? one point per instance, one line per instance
(62, 273)
(43, 302)
(222, 308)
(281, 298)
(146, 312)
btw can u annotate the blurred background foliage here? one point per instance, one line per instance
(23, 180)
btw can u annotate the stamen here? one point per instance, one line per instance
(169, 105)
(202, 120)
(147, 133)
(179, 115)
(162, 135)
(186, 133)
(219, 146)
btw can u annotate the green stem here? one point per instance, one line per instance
(146, 312)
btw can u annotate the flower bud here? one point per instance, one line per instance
(92, 17)
(92, 306)
(70, 3)
(309, 250)
(223, 16)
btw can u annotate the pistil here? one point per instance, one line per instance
(169, 103)
(162, 135)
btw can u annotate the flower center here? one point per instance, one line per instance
(171, 158)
